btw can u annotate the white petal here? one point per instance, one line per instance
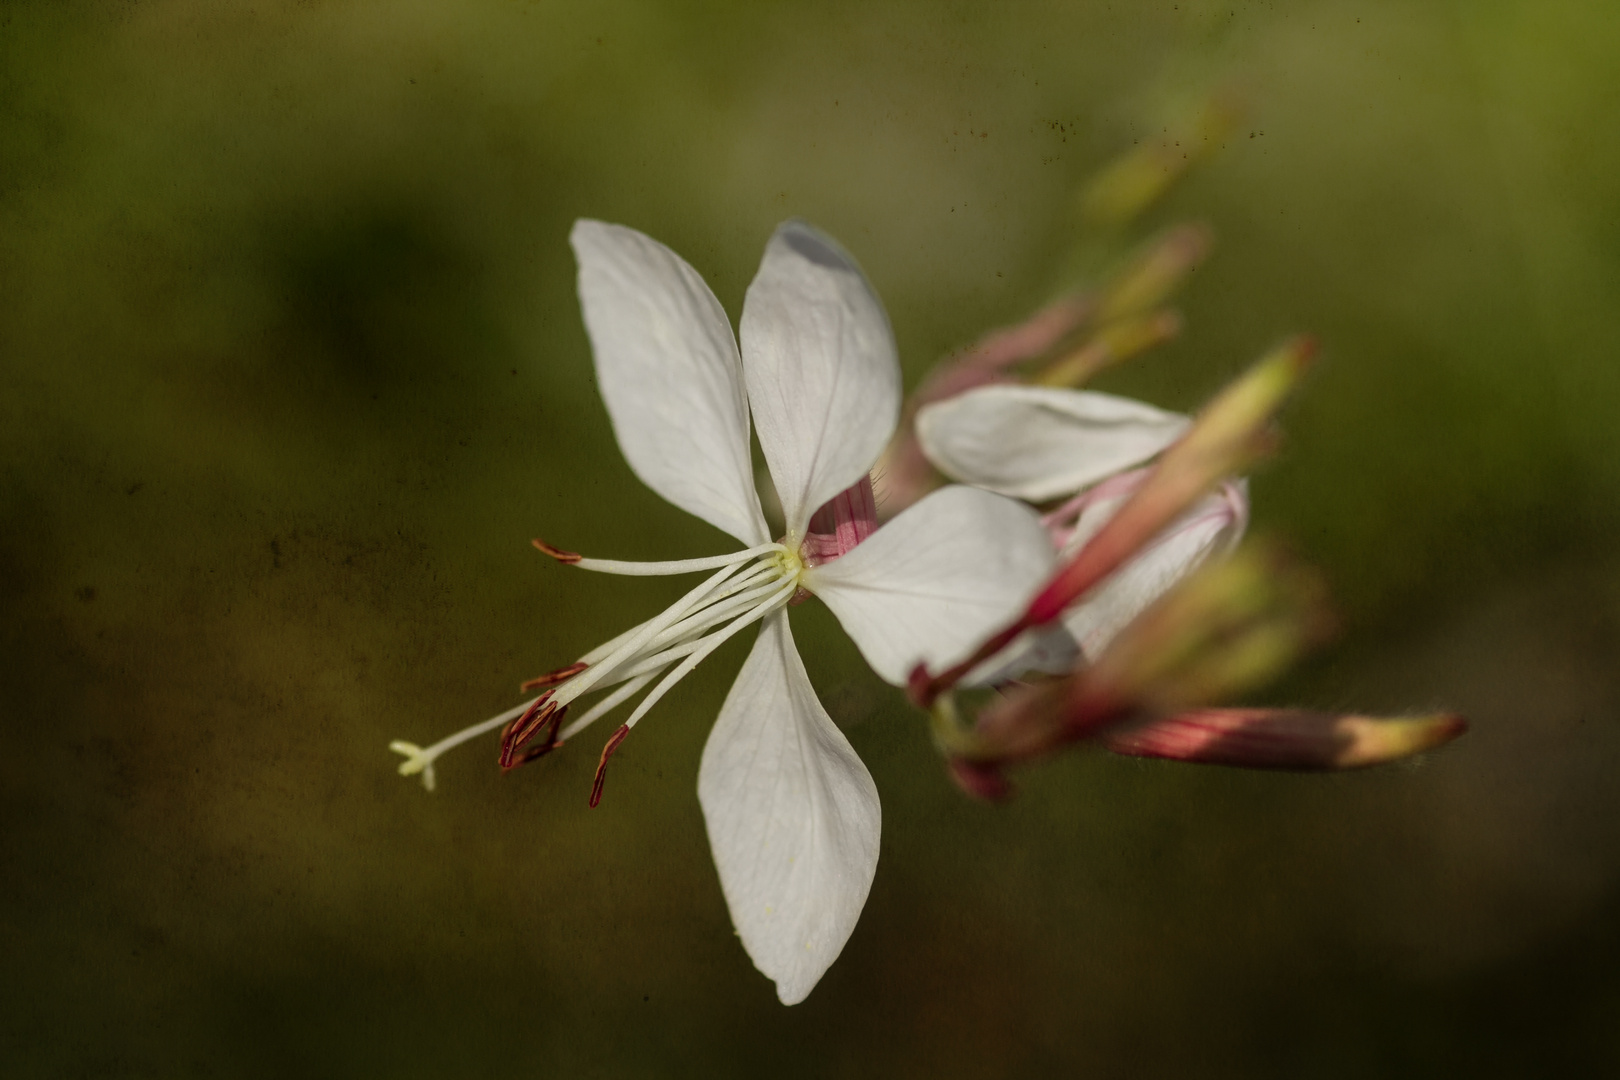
(823, 376)
(937, 580)
(792, 814)
(670, 375)
(1039, 442)
(1212, 526)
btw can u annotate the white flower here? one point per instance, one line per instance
(1040, 443)
(792, 814)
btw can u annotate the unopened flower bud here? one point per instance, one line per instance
(1285, 738)
(1115, 343)
(1156, 273)
(1226, 628)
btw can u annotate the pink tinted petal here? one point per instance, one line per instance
(835, 529)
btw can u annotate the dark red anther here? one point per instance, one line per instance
(556, 552)
(543, 713)
(552, 743)
(552, 678)
(601, 766)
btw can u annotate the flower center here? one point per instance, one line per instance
(789, 562)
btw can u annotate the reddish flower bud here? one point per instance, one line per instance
(1285, 738)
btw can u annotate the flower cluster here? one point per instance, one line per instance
(1072, 565)
(1164, 636)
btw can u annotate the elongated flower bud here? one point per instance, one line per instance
(1228, 627)
(1114, 344)
(1285, 738)
(1137, 179)
(1156, 273)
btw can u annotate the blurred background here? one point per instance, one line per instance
(291, 369)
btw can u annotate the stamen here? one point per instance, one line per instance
(606, 705)
(679, 566)
(601, 766)
(707, 646)
(535, 752)
(544, 713)
(746, 581)
(683, 632)
(552, 678)
(713, 615)
(588, 678)
(607, 647)
(525, 721)
(659, 660)
(556, 552)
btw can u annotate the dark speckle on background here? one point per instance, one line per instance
(292, 369)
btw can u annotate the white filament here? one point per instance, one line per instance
(734, 596)
(607, 704)
(707, 646)
(679, 566)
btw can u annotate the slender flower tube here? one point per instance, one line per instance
(792, 814)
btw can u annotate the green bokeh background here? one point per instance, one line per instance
(291, 369)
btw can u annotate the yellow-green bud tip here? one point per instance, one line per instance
(1374, 741)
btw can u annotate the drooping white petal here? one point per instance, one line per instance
(1039, 442)
(1210, 527)
(822, 372)
(936, 581)
(792, 814)
(670, 375)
